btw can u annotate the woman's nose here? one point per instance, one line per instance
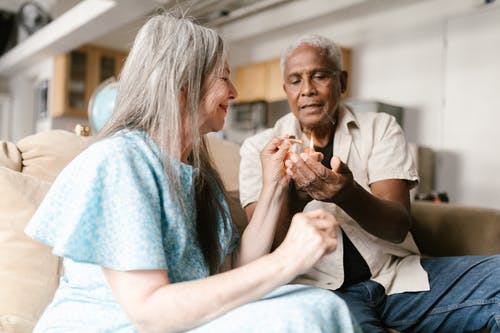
(233, 93)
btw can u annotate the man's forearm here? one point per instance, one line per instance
(385, 219)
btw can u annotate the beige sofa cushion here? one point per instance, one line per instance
(28, 270)
(226, 157)
(455, 230)
(45, 154)
(10, 156)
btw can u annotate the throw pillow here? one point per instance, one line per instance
(10, 156)
(29, 272)
(45, 154)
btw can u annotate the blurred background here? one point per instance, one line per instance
(433, 64)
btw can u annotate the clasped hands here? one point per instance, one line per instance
(310, 176)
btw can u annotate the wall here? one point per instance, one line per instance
(3, 85)
(471, 114)
(22, 114)
(444, 71)
(447, 75)
(22, 92)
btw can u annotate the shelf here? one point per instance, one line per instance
(76, 76)
(86, 21)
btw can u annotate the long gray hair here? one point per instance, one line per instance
(173, 57)
(324, 44)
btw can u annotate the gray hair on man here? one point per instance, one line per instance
(324, 44)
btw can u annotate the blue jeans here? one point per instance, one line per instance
(464, 297)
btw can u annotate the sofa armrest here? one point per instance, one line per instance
(453, 230)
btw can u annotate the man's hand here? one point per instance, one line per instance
(319, 182)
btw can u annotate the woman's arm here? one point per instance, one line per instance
(257, 239)
(153, 303)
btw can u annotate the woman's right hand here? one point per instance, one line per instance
(272, 158)
(310, 236)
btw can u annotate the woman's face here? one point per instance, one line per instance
(218, 90)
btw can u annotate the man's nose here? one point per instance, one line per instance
(308, 88)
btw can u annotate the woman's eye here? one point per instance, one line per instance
(223, 78)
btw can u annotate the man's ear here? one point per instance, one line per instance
(343, 81)
(284, 87)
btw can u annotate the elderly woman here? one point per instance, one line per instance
(142, 222)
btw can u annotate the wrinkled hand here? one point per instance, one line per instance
(310, 236)
(319, 182)
(272, 158)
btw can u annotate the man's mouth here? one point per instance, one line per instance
(311, 106)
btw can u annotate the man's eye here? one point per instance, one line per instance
(319, 76)
(294, 81)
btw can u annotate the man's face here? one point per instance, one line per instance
(313, 86)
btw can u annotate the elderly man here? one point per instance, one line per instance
(357, 166)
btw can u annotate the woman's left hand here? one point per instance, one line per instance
(272, 158)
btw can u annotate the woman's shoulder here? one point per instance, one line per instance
(124, 146)
(124, 141)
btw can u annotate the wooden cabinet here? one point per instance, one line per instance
(259, 81)
(264, 80)
(346, 64)
(250, 82)
(78, 73)
(274, 87)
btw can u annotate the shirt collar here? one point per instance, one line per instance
(345, 118)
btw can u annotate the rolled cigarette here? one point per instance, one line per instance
(297, 141)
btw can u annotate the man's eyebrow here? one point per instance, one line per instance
(325, 70)
(315, 69)
(312, 71)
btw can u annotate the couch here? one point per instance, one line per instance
(29, 273)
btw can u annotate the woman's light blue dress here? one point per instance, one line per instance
(112, 207)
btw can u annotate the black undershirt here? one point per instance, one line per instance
(355, 267)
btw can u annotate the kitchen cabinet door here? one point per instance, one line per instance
(274, 81)
(78, 73)
(250, 82)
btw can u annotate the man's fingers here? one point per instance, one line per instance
(338, 166)
(301, 175)
(318, 168)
